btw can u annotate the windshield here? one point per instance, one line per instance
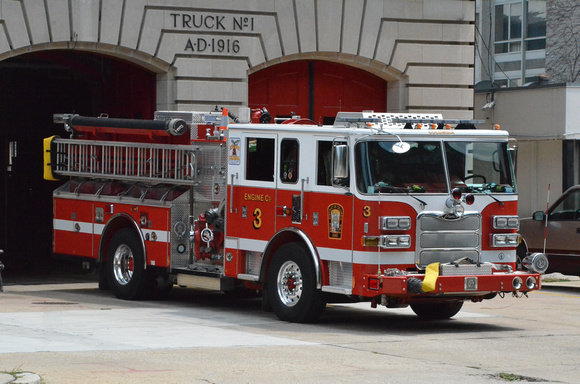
(473, 167)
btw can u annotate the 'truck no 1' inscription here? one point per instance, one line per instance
(205, 22)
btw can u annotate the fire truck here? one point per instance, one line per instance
(393, 209)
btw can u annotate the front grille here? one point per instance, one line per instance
(443, 239)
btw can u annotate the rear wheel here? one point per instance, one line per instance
(437, 310)
(291, 285)
(126, 272)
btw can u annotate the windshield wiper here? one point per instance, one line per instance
(486, 191)
(423, 204)
(393, 189)
(493, 197)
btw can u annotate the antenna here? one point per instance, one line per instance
(546, 223)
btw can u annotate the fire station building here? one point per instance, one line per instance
(128, 58)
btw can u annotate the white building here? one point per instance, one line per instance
(544, 122)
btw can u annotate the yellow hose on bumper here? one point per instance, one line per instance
(431, 275)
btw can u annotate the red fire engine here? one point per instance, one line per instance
(393, 209)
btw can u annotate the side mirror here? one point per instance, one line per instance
(339, 163)
(539, 216)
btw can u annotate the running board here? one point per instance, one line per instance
(205, 282)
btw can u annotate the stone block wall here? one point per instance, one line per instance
(203, 51)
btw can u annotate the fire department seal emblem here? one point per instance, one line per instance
(335, 216)
(234, 151)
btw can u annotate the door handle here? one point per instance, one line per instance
(233, 176)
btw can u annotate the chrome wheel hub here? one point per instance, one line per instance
(123, 264)
(289, 283)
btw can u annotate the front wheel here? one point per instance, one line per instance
(291, 286)
(437, 310)
(521, 253)
(126, 272)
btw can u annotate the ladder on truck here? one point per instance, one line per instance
(152, 163)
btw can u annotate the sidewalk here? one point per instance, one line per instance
(560, 280)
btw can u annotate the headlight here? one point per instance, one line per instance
(505, 240)
(395, 241)
(505, 222)
(394, 223)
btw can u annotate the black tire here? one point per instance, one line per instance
(291, 286)
(438, 310)
(127, 276)
(521, 253)
(102, 276)
(161, 288)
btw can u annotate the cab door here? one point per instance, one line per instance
(252, 161)
(309, 202)
(292, 183)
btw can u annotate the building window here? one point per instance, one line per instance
(508, 27)
(536, 25)
(520, 41)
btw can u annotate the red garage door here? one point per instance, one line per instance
(316, 89)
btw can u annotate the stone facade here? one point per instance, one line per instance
(204, 50)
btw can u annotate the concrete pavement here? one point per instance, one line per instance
(552, 280)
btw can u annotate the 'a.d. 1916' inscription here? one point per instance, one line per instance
(212, 45)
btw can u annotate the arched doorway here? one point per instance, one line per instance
(32, 88)
(316, 90)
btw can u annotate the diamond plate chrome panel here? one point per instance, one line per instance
(211, 172)
(465, 269)
(340, 274)
(253, 263)
(179, 217)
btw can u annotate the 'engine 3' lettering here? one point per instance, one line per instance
(257, 197)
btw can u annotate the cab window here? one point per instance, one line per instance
(259, 159)
(289, 157)
(324, 171)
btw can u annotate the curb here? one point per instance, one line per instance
(20, 378)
